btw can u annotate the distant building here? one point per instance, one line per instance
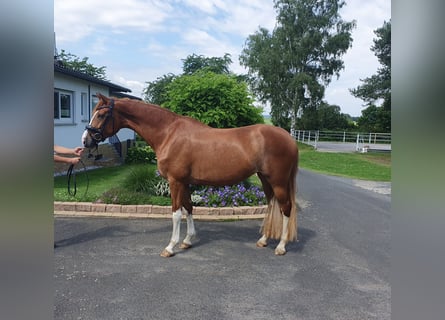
(74, 100)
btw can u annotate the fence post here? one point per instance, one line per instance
(316, 139)
(357, 143)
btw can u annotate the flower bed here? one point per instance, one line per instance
(229, 196)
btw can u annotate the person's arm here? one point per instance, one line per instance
(64, 150)
(69, 151)
(58, 158)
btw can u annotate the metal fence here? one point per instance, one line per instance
(363, 141)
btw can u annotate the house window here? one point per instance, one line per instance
(63, 107)
(84, 107)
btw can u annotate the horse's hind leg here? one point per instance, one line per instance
(276, 221)
(188, 208)
(281, 247)
(268, 192)
(285, 208)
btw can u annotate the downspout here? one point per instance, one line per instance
(89, 102)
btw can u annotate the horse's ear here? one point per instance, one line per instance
(102, 97)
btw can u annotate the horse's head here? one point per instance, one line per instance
(101, 125)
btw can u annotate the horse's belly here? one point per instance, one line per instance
(221, 170)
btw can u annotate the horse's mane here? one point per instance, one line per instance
(163, 110)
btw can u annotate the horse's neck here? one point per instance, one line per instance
(148, 121)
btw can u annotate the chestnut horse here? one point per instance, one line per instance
(190, 152)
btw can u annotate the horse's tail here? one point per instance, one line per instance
(273, 221)
(292, 225)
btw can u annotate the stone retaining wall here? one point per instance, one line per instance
(153, 211)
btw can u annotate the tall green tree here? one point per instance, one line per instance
(156, 91)
(375, 119)
(82, 65)
(290, 66)
(194, 63)
(378, 87)
(208, 91)
(218, 100)
(325, 117)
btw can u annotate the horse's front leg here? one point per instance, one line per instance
(176, 192)
(181, 203)
(176, 219)
(187, 243)
(187, 209)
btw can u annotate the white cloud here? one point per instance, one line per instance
(75, 19)
(140, 40)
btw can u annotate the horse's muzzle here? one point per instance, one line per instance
(88, 141)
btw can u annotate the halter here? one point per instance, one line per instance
(96, 133)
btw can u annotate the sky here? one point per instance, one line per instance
(140, 40)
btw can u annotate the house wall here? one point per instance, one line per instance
(69, 135)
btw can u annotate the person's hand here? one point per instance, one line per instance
(74, 160)
(78, 151)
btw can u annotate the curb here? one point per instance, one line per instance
(88, 209)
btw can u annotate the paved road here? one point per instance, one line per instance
(327, 146)
(111, 268)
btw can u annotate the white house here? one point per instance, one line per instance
(74, 99)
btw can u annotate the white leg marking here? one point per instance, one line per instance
(262, 242)
(281, 248)
(190, 230)
(176, 218)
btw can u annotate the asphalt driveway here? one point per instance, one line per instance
(108, 268)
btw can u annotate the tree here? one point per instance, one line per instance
(325, 117)
(375, 119)
(218, 100)
(194, 63)
(207, 91)
(291, 66)
(378, 86)
(82, 65)
(156, 91)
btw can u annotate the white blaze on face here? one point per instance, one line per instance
(85, 133)
(84, 137)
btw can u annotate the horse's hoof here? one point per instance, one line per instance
(280, 252)
(167, 254)
(261, 244)
(185, 245)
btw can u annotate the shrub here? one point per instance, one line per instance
(140, 155)
(123, 196)
(141, 179)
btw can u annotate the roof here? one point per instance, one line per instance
(58, 67)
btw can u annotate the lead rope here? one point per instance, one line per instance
(71, 174)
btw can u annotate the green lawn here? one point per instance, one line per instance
(365, 166)
(100, 181)
(110, 181)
